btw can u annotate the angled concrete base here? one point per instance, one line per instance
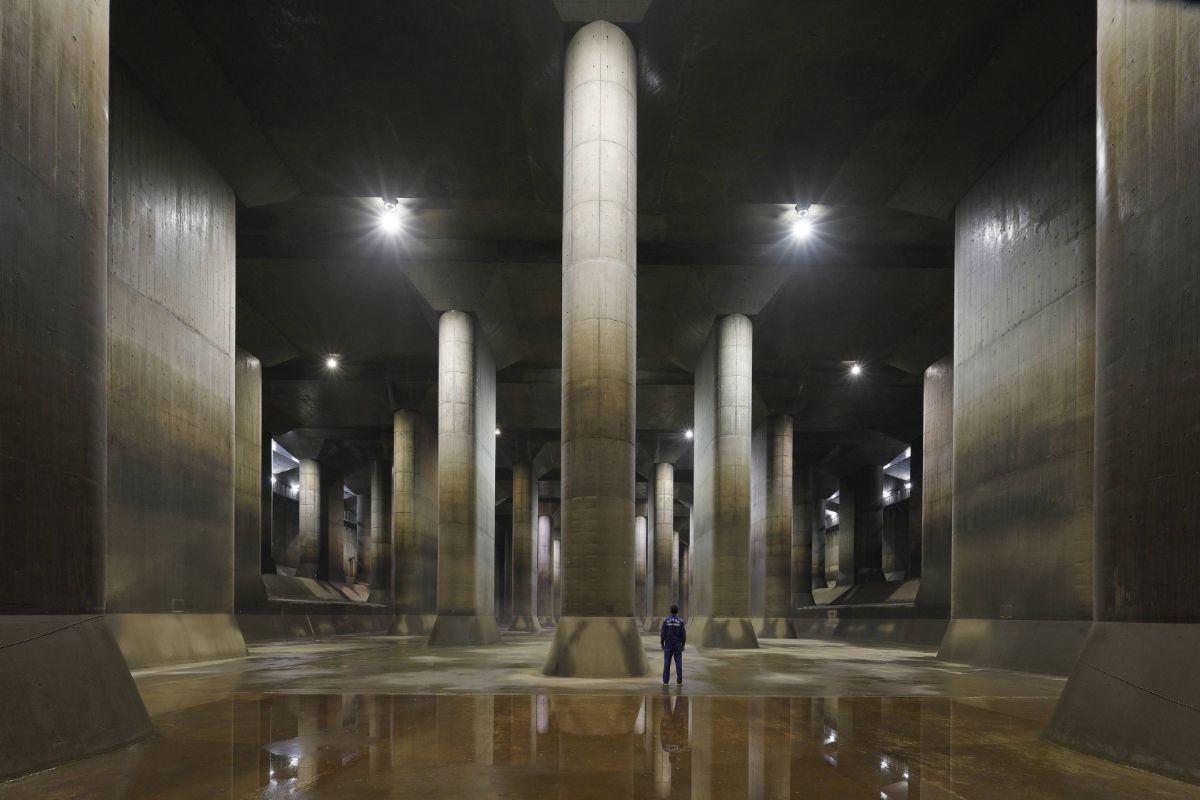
(1134, 697)
(66, 692)
(451, 630)
(1028, 645)
(730, 633)
(412, 624)
(653, 625)
(523, 623)
(546, 622)
(152, 640)
(776, 628)
(596, 647)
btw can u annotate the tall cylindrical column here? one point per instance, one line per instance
(309, 497)
(408, 571)
(524, 549)
(777, 594)
(664, 529)
(333, 526)
(466, 485)
(639, 552)
(362, 521)
(545, 595)
(597, 635)
(377, 554)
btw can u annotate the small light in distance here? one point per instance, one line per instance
(907, 485)
(688, 434)
(856, 369)
(497, 431)
(332, 362)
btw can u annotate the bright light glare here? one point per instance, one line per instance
(331, 362)
(497, 431)
(272, 480)
(688, 433)
(907, 485)
(802, 228)
(855, 369)
(389, 221)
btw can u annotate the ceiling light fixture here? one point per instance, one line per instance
(332, 362)
(856, 369)
(802, 225)
(688, 433)
(389, 219)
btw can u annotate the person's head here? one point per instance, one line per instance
(674, 609)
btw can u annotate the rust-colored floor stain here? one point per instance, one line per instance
(220, 736)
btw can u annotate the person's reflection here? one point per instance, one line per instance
(673, 728)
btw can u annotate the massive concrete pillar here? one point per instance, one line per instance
(597, 635)
(819, 542)
(466, 485)
(915, 522)
(860, 534)
(545, 569)
(362, 524)
(375, 559)
(524, 549)
(662, 592)
(309, 498)
(721, 565)
(780, 532)
(937, 489)
(412, 612)
(54, 159)
(1132, 695)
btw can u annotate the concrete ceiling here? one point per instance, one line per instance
(881, 114)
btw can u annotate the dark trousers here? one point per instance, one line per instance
(668, 652)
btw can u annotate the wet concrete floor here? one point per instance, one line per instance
(390, 718)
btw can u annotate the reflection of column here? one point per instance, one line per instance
(310, 518)
(466, 485)
(776, 718)
(779, 534)
(545, 593)
(720, 755)
(524, 549)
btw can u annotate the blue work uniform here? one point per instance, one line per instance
(672, 638)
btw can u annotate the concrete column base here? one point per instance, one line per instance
(730, 633)
(452, 630)
(653, 625)
(596, 647)
(776, 628)
(546, 622)
(411, 624)
(153, 640)
(1133, 698)
(1027, 645)
(524, 623)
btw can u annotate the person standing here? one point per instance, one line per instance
(672, 638)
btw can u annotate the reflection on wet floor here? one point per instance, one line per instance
(588, 746)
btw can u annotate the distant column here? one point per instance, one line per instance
(379, 546)
(524, 549)
(545, 570)
(362, 522)
(333, 525)
(639, 554)
(310, 518)
(409, 570)
(860, 532)
(466, 485)
(664, 530)
(780, 531)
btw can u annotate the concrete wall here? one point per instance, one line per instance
(64, 686)
(1133, 695)
(1024, 342)
(170, 389)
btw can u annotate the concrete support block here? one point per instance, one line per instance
(94, 707)
(735, 633)
(596, 647)
(1133, 697)
(310, 518)
(451, 630)
(1028, 645)
(152, 640)
(412, 624)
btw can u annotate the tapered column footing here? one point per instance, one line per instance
(451, 630)
(596, 647)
